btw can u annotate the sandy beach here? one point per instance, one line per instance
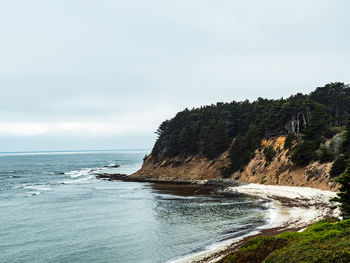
(292, 208)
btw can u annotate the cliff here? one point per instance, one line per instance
(182, 169)
(279, 171)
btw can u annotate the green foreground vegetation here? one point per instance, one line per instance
(325, 241)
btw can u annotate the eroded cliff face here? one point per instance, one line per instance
(182, 170)
(280, 171)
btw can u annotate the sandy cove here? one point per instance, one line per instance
(293, 209)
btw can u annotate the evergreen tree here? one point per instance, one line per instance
(338, 166)
(344, 194)
(335, 96)
(183, 142)
(221, 138)
(305, 153)
(208, 131)
(291, 138)
(346, 143)
(243, 148)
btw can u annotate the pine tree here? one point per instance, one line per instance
(346, 143)
(183, 140)
(221, 137)
(344, 193)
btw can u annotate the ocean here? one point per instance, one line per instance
(53, 209)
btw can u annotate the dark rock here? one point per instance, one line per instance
(122, 177)
(112, 166)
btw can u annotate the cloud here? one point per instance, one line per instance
(81, 129)
(115, 69)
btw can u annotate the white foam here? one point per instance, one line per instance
(84, 172)
(215, 247)
(79, 180)
(28, 194)
(40, 187)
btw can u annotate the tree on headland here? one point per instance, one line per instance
(238, 127)
(346, 143)
(221, 137)
(290, 140)
(344, 193)
(243, 148)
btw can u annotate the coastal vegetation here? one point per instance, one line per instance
(324, 242)
(344, 193)
(314, 125)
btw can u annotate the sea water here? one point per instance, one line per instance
(53, 209)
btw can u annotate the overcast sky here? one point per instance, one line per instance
(103, 74)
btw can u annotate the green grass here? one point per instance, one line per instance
(325, 241)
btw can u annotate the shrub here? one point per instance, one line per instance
(269, 153)
(338, 167)
(291, 138)
(255, 250)
(305, 153)
(325, 154)
(324, 242)
(330, 132)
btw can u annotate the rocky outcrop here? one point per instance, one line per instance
(279, 171)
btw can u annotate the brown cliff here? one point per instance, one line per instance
(280, 171)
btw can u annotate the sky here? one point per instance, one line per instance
(103, 74)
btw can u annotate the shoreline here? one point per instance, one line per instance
(293, 208)
(218, 182)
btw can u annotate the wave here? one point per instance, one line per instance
(80, 175)
(216, 246)
(230, 237)
(39, 187)
(28, 194)
(84, 172)
(272, 214)
(79, 180)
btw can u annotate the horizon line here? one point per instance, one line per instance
(73, 151)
